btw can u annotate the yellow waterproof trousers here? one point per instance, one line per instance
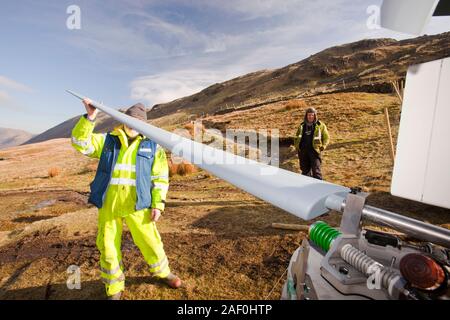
(145, 236)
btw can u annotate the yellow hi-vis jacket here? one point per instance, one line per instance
(121, 193)
(321, 137)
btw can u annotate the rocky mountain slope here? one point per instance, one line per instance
(366, 65)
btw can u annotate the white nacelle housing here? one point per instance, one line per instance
(407, 16)
(422, 164)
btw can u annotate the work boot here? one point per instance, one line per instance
(172, 281)
(116, 296)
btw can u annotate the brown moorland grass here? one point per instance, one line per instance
(295, 105)
(183, 168)
(53, 172)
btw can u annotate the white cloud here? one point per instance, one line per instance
(4, 97)
(285, 9)
(169, 86)
(264, 8)
(14, 85)
(182, 39)
(7, 102)
(134, 34)
(112, 40)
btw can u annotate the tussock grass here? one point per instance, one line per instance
(295, 105)
(182, 169)
(53, 172)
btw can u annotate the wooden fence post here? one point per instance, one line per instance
(389, 131)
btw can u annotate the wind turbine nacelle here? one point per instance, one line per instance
(422, 163)
(411, 16)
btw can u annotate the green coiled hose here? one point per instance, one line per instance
(322, 234)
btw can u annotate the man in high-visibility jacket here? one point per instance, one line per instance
(131, 184)
(310, 140)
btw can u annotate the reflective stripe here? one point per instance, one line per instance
(112, 281)
(160, 185)
(146, 150)
(81, 143)
(163, 267)
(160, 177)
(152, 266)
(89, 151)
(123, 181)
(125, 167)
(114, 271)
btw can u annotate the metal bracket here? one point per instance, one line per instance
(351, 218)
(298, 269)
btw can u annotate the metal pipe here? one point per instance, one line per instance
(412, 227)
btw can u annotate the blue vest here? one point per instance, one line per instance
(144, 162)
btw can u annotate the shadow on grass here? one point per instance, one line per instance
(173, 204)
(31, 219)
(242, 221)
(89, 290)
(351, 143)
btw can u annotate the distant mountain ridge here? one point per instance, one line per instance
(13, 137)
(104, 123)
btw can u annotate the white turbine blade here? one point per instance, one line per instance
(299, 195)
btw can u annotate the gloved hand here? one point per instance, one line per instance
(156, 213)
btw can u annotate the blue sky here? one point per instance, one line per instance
(157, 50)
